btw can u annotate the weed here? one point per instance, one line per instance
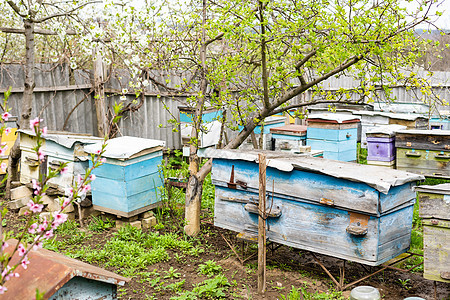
(405, 283)
(209, 268)
(172, 274)
(176, 286)
(97, 224)
(303, 294)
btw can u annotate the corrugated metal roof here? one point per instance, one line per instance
(380, 178)
(49, 271)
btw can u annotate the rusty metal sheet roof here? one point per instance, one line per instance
(49, 271)
(380, 178)
(443, 188)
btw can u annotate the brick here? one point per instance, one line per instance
(21, 192)
(149, 222)
(18, 203)
(136, 224)
(147, 214)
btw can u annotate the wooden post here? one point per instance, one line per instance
(100, 106)
(262, 225)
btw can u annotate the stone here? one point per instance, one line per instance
(86, 202)
(132, 219)
(23, 210)
(89, 211)
(47, 199)
(147, 214)
(18, 203)
(21, 192)
(15, 184)
(149, 222)
(120, 223)
(136, 224)
(46, 215)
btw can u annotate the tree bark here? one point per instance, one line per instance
(100, 105)
(26, 107)
(195, 182)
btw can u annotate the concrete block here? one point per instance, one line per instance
(18, 203)
(21, 192)
(132, 219)
(136, 224)
(149, 222)
(147, 214)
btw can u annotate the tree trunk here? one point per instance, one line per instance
(100, 106)
(27, 104)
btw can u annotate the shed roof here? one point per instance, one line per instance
(126, 147)
(380, 178)
(386, 129)
(49, 271)
(425, 132)
(66, 139)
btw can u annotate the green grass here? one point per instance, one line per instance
(362, 155)
(303, 294)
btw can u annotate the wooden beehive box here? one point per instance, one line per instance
(355, 212)
(128, 182)
(264, 130)
(60, 277)
(288, 137)
(9, 139)
(424, 152)
(336, 134)
(58, 147)
(381, 144)
(434, 208)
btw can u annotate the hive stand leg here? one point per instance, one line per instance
(435, 290)
(328, 272)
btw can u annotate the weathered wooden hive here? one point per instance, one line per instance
(288, 137)
(58, 147)
(128, 182)
(355, 212)
(381, 145)
(9, 139)
(434, 208)
(424, 152)
(336, 134)
(61, 277)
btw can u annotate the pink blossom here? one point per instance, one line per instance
(7, 130)
(48, 234)
(79, 179)
(103, 160)
(4, 246)
(86, 188)
(35, 207)
(6, 115)
(64, 170)
(21, 250)
(42, 227)
(2, 289)
(32, 228)
(98, 151)
(59, 218)
(92, 177)
(44, 131)
(70, 192)
(41, 155)
(37, 246)
(66, 202)
(3, 149)
(35, 122)
(25, 262)
(35, 184)
(3, 166)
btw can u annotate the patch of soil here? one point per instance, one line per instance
(286, 268)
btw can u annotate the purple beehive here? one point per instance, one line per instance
(381, 148)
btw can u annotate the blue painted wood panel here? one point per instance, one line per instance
(83, 288)
(128, 188)
(273, 124)
(206, 117)
(333, 146)
(128, 204)
(332, 134)
(299, 184)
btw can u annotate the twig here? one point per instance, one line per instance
(232, 248)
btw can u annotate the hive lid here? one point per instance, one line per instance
(400, 116)
(66, 139)
(386, 129)
(443, 189)
(49, 271)
(127, 147)
(289, 129)
(425, 132)
(334, 118)
(380, 178)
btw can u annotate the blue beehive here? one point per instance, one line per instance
(355, 212)
(336, 134)
(129, 181)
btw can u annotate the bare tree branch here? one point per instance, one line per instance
(66, 13)
(36, 30)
